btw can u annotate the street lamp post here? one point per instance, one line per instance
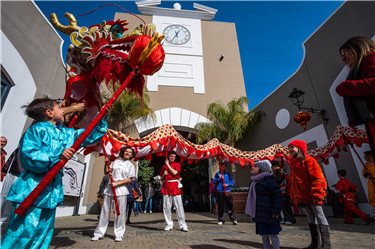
(297, 98)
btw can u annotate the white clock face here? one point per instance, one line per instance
(176, 34)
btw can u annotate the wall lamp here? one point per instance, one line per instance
(297, 98)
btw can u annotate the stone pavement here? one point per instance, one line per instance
(146, 231)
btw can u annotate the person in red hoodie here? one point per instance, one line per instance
(308, 189)
(347, 190)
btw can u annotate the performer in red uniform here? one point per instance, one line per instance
(347, 189)
(170, 175)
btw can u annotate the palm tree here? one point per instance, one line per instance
(229, 123)
(127, 108)
(145, 171)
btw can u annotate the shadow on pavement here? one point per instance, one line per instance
(250, 243)
(61, 242)
(358, 227)
(148, 222)
(93, 220)
(59, 239)
(206, 247)
(136, 225)
(74, 229)
(202, 221)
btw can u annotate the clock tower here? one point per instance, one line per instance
(183, 65)
(202, 64)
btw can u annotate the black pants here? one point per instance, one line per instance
(287, 210)
(226, 202)
(129, 208)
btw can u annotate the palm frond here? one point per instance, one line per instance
(128, 108)
(229, 122)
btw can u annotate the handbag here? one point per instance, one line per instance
(135, 194)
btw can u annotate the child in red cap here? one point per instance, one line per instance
(308, 189)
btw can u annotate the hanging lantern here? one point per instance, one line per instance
(302, 118)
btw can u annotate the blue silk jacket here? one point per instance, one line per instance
(227, 179)
(41, 148)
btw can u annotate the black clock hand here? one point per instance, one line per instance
(175, 36)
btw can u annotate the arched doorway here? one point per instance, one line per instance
(195, 176)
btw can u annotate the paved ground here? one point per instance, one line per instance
(146, 231)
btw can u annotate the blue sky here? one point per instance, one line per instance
(270, 33)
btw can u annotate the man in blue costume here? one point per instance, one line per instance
(41, 147)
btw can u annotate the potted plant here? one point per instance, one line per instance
(240, 198)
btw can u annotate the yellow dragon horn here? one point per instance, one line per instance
(64, 29)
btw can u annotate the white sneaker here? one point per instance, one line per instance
(95, 238)
(145, 211)
(220, 223)
(118, 239)
(167, 228)
(184, 229)
(288, 223)
(150, 212)
(235, 222)
(282, 222)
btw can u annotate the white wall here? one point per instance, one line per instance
(12, 115)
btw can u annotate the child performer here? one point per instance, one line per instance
(170, 175)
(122, 173)
(347, 190)
(264, 203)
(41, 147)
(308, 189)
(369, 173)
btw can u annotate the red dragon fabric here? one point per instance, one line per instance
(166, 138)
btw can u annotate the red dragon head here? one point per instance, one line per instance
(101, 53)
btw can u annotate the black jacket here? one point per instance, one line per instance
(269, 201)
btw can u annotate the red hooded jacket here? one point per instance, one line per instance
(308, 184)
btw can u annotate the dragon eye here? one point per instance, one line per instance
(116, 30)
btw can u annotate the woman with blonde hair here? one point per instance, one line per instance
(358, 90)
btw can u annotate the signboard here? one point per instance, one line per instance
(73, 177)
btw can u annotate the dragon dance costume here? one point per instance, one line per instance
(40, 149)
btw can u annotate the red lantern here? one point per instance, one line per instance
(302, 118)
